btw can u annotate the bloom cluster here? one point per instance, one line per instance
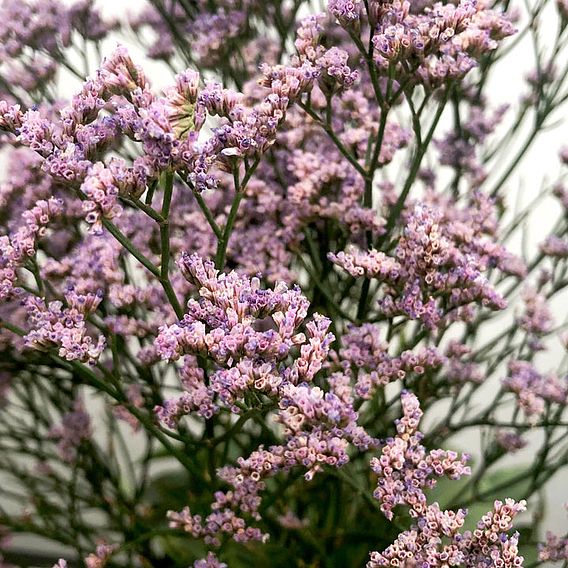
(534, 390)
(430, 276)
(318, 428)
(405, 468)
(165, 126)
(196, 396)
(53, 325)
(247, 331)
(368, 356)
(254, 336)
(537, 318)
(488, 545)
(554, 549)
(458, 147)
(19, 246)
(436, 44)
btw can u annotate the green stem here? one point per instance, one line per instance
(13, 328)
(362, 306)
(330, 132)
(164, 227)
(224, 240)
(204, 208)
(420, 152)
(150, 192)
(522, 151)
(150, 211)
(240, 187)
(146, 421)
(129, 246)
(165, 246)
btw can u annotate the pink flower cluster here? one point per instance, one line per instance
(487, 546)
(367, 355)
(405, 468)
(196, 396)
(53, 325)
(166, 127)
(20, 246)
(533, 389)
(254, 336)
(430, 276)
(318, 427)
(554, 549)
(537, 318)
(438, 43)
(247, 331)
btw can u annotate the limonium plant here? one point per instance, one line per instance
(262, 298)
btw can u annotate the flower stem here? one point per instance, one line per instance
(165, 246)
(240, 187)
